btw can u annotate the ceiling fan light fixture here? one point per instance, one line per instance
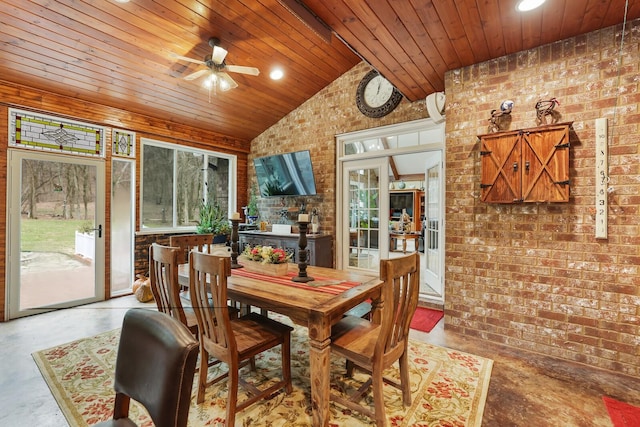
(527, 5)
(215, 74)
(224, 85)
(210, 81)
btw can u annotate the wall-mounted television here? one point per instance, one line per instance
(287, 174)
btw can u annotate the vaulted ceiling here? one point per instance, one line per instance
(120, 55)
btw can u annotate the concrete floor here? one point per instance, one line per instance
(525, 389)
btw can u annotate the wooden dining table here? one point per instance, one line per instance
(308, 305)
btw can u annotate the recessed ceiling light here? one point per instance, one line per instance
(122, 1)
(527, 5)
(276, 74)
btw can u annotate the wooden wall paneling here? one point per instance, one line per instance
(24, 97)
(12, 95)
(117, 52)
(4, 141)
(106, 227)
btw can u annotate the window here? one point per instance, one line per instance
(175, 181)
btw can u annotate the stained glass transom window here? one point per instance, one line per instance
(48, 133)
(123, 143)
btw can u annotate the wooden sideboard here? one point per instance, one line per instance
(319, 246)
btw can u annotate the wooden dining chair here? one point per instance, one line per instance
(232, 340)
(374, 346)
(187, 242)
(155, 365)
(163, 277)
(199, 243)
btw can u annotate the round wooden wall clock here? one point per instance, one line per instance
(376, 96)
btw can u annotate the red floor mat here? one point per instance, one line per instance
(425, 319)
(622, 414)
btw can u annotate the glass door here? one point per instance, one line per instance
(363, 219)
(55, 233)
(122, 225)
(432, 273)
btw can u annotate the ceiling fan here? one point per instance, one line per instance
(217, 68)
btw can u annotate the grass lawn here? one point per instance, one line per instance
(49, 235)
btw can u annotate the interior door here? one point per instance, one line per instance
(365, 237)
(55, 234)
(432, 281)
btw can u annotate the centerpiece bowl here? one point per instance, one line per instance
(260, 268)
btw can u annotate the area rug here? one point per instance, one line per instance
(622, 414)
(449, 387)
(424, 319)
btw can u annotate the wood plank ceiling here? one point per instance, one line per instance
(120, 54)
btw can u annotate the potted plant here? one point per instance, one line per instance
(213, 219)
(252, 207)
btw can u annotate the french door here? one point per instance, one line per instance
(55, 233)
(365, 237)
(365, 221)
(432, 280)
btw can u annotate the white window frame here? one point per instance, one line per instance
(233, 182)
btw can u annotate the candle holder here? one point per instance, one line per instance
(302, 254)
(234, 243)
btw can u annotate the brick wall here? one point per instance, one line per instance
(313, 126)
(529, 276)
(141, 250)
(533, 276)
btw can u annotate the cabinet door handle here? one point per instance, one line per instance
(515, 166)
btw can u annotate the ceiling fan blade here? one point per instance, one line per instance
(242, 69)
(184, 58)
(218, 55)
(196, 74)
(226, 82)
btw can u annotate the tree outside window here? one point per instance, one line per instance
(175, 182)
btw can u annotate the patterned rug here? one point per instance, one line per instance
(449, 387)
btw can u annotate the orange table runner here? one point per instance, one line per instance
(321, 284)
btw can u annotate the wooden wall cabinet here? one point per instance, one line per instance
(527, 165)
(319, 246)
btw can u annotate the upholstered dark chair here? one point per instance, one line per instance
(374, 346)
(155, 366)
